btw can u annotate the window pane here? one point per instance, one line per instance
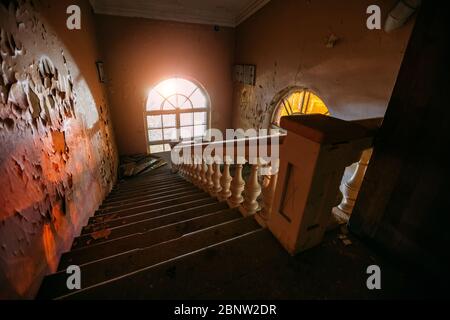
(186, 132)
(154, 121)
(198, 99)
(185, 103)
(186, 119)
(170, 103)
(169, 120)
(154, 101)
(200, 118)
(155, 135)
(170, 134)
(167, 147)
(157, 148)
(199, 130)
(185, 87)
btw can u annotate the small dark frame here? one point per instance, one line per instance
(100, 71)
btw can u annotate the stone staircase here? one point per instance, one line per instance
(158, 236)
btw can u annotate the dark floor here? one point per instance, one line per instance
(331, 271)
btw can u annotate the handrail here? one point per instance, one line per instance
(293, 189)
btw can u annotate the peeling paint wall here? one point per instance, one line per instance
(323, 45)
(57, 153)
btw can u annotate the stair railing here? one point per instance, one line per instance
(292, 194)
(212, 172)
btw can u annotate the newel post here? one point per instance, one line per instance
(313, 158)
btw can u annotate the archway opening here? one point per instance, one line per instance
(298, 101)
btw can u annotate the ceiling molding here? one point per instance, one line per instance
(249, 10)
(160, 10)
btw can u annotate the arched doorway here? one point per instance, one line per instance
(176, 109)
(297, 101)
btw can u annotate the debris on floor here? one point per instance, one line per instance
(101, 234)
(139, 164)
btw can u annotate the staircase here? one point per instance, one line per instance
(158, 236)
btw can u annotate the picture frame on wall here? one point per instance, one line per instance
(100, 71)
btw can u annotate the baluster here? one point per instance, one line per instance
(197, 170)
(225, 181)
(203, 172)
(251, 192)
(236, 187)
(216, 179)
(350, 189)
(209, 175)
(181, 168)
(268, 193)
(191, 175)
(188, 171)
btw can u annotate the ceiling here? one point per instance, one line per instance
(229, 13)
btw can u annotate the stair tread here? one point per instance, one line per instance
(145, 239)
(198, 206)
(189, 276)
(138, 204)
(119, 265)
(157, 204)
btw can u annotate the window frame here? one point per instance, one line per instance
(285, 98)
(177, 112)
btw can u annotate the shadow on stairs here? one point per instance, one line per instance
(158, 236)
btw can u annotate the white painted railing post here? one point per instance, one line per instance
(350, 188)
(268, 193)
(209, 175)
(203, 171)
(251, 192)
(225, 181)
(198, 171)
(237, 185)
(216, 179)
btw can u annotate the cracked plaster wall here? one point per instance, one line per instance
(57, 153)
(322, 45)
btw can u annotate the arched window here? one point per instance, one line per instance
(298, 101)
(176, 109)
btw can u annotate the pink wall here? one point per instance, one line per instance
(138, 53)
(286, 40)
(57, 152)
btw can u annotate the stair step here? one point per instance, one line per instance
(146, 192)
(139, 222)
(120, 265)
(141, 189)
(193, 275)
(145, 178)
(146, 239)
(107, 234)
(127, 187)
(152, 195)
(137, 204)
(155, 205)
